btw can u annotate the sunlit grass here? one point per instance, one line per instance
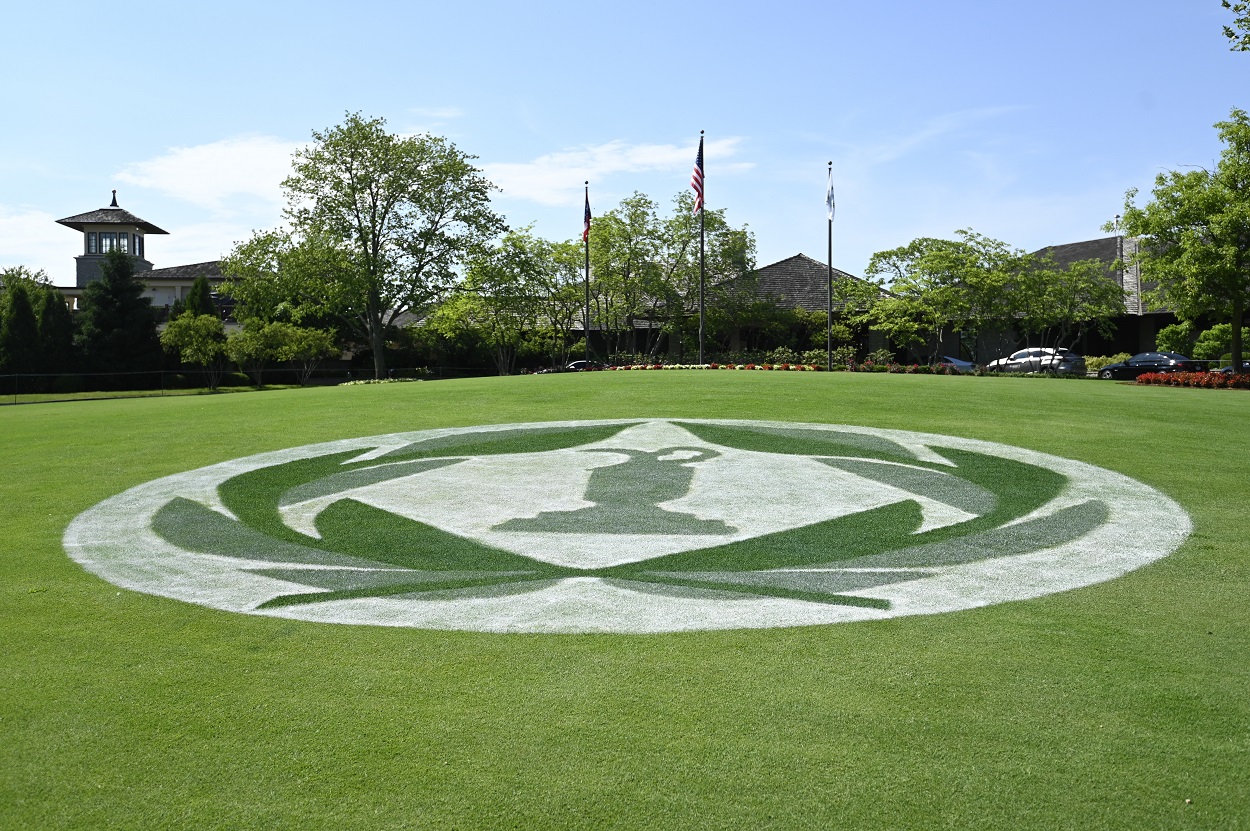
(1105, 707)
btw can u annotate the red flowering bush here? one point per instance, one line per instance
(1202, 380)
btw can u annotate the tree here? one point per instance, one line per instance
(56, 331)
(499, 299)
(1196, 235)
(1239, 33)
(200, 299)
(254, 347)
(1214, 344)
(1070, 300)
(277, 276)
(19, 332)
(261, 342)
(1178, 337)
(938, 284)
(646, 268)
(304, 348)
(198, 339)
(403, 211)
(117, 331)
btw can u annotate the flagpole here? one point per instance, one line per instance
(702, 211)
(586, 308)
(829, 318)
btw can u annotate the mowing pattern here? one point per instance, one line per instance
(628, 526)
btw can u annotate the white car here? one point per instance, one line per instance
(1039, 359)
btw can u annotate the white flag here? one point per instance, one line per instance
(829, 195)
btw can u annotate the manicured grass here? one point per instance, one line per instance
(1105, 707)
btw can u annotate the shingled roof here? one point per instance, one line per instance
(211, 270)
(112, 215)
(1107, 250)
(798, 282)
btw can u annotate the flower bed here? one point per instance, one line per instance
(1205, 380)
(866, 366)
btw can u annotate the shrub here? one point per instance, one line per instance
(1099, 361)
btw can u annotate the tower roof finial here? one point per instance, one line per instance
(114, 205)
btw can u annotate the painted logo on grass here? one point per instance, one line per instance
(627, 526)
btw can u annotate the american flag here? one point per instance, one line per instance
(586, 227)
(696, 178)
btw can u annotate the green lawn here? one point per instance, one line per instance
(1105, 707)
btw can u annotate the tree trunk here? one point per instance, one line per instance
(1239, 311)
(377, 344)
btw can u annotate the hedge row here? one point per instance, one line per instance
(1206, 380)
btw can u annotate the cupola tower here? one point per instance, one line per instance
(107, 229)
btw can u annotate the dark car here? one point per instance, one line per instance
(1038, 359)
(1228, 370)
(1144, 362)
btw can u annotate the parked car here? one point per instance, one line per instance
(583, 366)
(1144, 362)
(1038, 359)
(1228, 370)
(956, 364)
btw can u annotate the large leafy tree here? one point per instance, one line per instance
(499, 300)
(646, 268)
(964, 285)
(198, 339)
(1063, 302)
(277, 277)
(1196, 234)
(116, 328)
(404, 211)
(1239, 33)
(978, 287)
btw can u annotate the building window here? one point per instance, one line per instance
(92, 245)
(138, 245)
(108, 241)
(123, 242)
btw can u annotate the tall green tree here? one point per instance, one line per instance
(19, 332)
(1195, 234)
(405, 211)
(56, 331)
(276, 276)
(1239, 33)
(645, 271)
(117, 330)
(963, 285)
(200, 299)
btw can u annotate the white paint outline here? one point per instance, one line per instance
(112, 541)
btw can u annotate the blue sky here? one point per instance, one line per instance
(1024, 122)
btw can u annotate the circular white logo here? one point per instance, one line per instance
(637, 525)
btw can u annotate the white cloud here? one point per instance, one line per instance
(196, 242)
(555, 179)
(227, 177)
(33, 239)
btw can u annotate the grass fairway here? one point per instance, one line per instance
(1105, 707)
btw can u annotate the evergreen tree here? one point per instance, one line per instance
(200, 299)
(56, 332)
(117, 330)
(19, 332)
